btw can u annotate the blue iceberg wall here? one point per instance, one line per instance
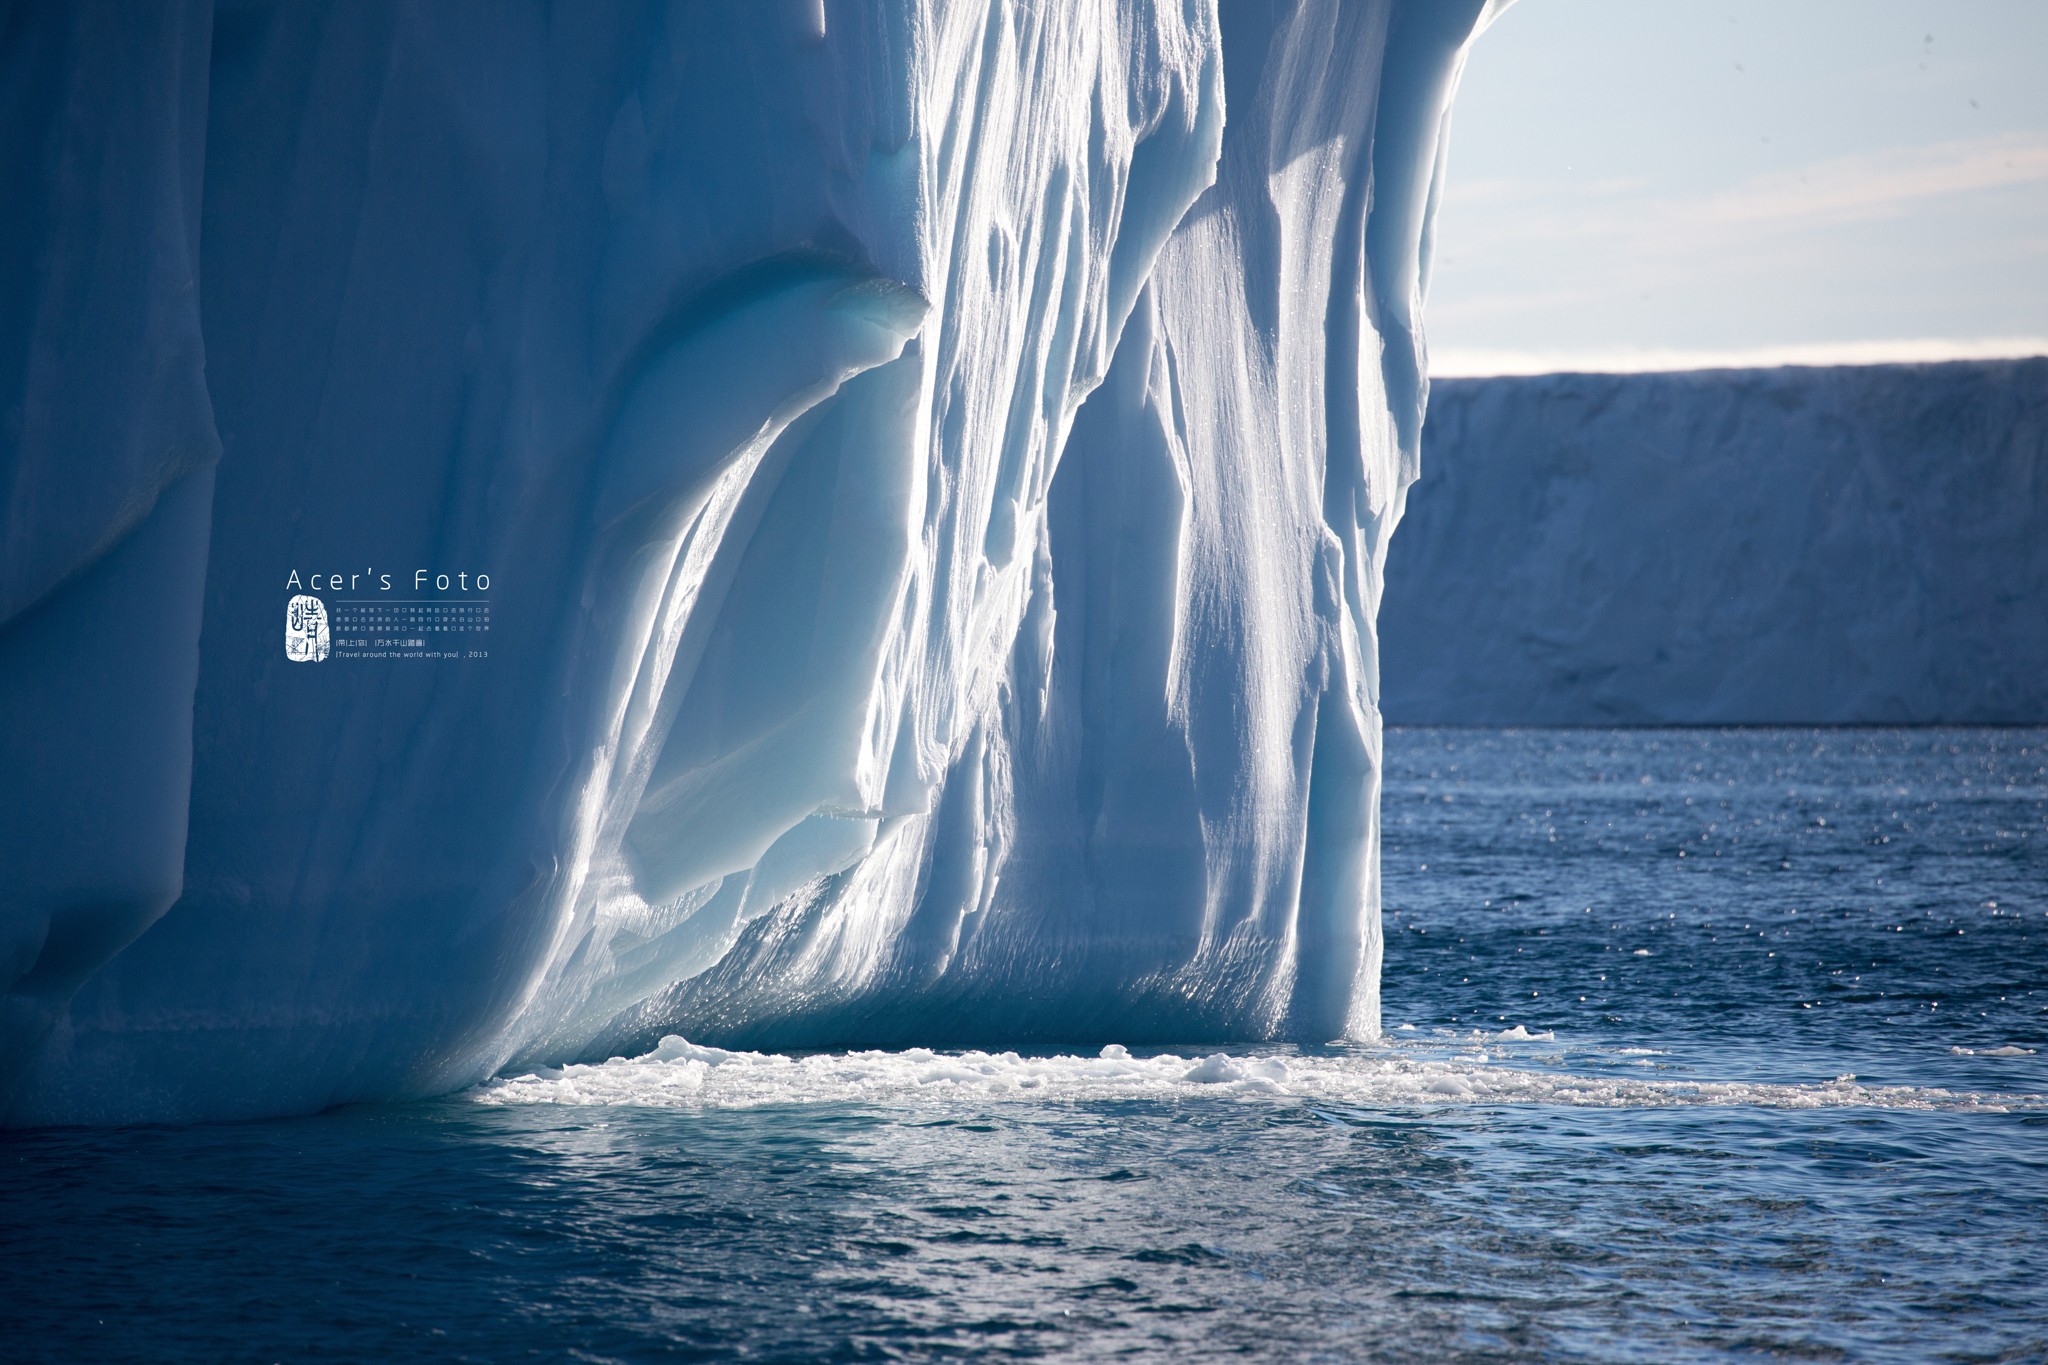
(931, 463)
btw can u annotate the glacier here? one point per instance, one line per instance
(932, 464)
(1828, 545)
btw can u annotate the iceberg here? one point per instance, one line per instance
(1828, 545)
(819, 524)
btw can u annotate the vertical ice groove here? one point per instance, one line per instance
(935, 464)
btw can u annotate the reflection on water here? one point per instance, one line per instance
(1218, 1226)
(849, 1209)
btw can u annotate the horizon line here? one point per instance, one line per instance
(1477, 362)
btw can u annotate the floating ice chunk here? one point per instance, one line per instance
(1520, 1034)
(1267, 1074)
(1213, 1070)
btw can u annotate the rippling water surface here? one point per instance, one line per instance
(1717, 1045)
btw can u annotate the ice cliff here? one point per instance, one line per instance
(932, 464)
(1851, 545)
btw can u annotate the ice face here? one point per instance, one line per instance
(1809, 546)
(107, 452)
(933, 472)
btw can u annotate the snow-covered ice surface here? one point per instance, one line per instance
(933, 462)
(1848, 545)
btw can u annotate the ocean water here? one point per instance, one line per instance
(1702, 1045)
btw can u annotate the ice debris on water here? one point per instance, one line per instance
(679, 1073)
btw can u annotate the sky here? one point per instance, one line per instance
(1657, 184)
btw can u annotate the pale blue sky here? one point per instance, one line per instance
(1649, 183)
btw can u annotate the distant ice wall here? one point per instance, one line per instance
(1864, 544)
(933, 463)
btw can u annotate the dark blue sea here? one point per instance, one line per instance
(1702, 1045)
